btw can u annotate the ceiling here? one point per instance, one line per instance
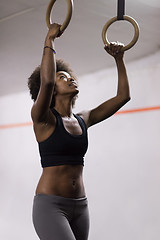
(23, 29)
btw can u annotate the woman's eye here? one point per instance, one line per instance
(63, 77)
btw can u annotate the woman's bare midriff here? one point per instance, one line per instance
(65, 181)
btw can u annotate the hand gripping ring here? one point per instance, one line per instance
(114, 19)
(68, 17)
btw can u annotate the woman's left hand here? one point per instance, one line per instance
(115, 49)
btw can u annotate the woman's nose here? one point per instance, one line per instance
(71, 80)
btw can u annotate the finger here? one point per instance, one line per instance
(112, 46)
(106, 47)
(120, 44)
(118, 49)
(113, 43)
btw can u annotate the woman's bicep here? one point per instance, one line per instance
(106, 109)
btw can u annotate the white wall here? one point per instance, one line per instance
(121, 167)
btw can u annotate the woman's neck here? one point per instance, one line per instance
(64, 108)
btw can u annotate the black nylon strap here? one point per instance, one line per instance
(121, 9)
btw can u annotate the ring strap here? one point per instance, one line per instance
(121, 9)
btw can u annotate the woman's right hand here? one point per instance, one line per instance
(115, 49)
(54, 31)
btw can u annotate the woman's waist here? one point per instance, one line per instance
(63, 181)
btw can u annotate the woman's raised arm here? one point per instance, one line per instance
(112, 105)
(40, 109)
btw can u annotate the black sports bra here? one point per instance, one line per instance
(63, 148)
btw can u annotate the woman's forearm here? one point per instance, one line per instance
(48, 64)
(123, 85)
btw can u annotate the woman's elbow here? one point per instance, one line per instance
(127, 99)
(124, 99)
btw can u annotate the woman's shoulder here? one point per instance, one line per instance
(85, 116)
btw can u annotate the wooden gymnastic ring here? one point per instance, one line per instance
(68, 17)
(127, 18)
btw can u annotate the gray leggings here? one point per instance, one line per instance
(59, 218)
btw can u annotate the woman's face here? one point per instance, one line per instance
(65, 84)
